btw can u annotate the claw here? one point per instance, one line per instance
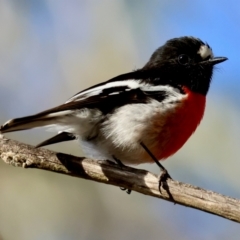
(163, 178)
(121, 165)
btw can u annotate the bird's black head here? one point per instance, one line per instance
(184, 61)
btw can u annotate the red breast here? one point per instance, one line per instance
(182, 125)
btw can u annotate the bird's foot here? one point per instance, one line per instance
(163, 176)
(121, 165)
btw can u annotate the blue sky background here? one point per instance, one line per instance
(49, 50)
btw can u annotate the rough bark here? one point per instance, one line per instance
(22, 155)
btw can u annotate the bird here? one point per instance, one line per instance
(142, 116)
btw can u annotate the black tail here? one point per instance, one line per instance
(24, 123)
(61, 137)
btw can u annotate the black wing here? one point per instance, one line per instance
(109, 99)
(148, 75)
(106, 96)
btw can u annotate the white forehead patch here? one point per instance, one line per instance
(205, 52)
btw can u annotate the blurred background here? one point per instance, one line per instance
(49, 50)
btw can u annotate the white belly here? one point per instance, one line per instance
(121, 133)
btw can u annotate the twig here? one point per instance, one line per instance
(23, 155)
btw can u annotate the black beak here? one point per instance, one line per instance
(216, 60)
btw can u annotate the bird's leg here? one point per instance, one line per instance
(164, 175)
(120, 164)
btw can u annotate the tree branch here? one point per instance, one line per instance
(23, 155)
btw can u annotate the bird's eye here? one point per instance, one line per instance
(183, 59)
